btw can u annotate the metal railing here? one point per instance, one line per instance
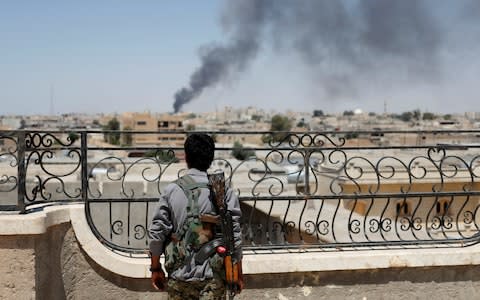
(298, 190)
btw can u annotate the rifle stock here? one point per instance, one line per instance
(231, 270)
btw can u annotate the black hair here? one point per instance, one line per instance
(199, 151)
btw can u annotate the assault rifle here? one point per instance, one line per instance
(233, 270)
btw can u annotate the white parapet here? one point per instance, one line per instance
(119, 264)
(253, 263)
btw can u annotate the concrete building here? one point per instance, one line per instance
(156, 123)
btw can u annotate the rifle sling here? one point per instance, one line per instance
(207, 250)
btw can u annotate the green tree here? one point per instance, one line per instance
(447, 117)
(257, 118)
(278, 123)
(348, 113)
(241, 153)
(406, 116)
(429, 116)
(112, 137)
(302, 123)
(127, 136)
(162, 156)
(72, 137)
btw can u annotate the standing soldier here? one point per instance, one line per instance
(184, 228)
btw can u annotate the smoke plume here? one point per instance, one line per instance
(244, 21)
(341, 42)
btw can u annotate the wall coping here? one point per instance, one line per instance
(39, 222)
(116, 263)
(360, 260)
(34, 223)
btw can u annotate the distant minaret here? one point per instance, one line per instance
(52, 110)
(385, 107)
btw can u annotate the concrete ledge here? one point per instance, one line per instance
(125, 266)
(39, 222)
(34, 223)
(360, 260)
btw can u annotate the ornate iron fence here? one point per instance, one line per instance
(298, 190)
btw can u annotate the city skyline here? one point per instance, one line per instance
(116, 56)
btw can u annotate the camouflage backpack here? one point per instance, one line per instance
(192, 234)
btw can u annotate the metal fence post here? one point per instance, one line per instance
(84, 174)
(21, 171)
(306, 166)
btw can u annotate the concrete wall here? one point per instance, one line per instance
(55, 263)
(85, 279)
(17, 267)
(30, 265)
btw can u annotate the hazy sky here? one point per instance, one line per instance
(121, 55)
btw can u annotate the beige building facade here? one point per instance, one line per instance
(160, 129)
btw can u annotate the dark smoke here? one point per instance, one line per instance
(217, 63)
(402, 30)
(341, 41)
(344, 44)
(244, 20)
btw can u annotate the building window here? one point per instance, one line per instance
(141, 123)
(162, 123)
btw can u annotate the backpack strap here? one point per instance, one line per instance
(191, 188)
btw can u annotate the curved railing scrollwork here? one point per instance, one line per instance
(9, 178)
(298, 190)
